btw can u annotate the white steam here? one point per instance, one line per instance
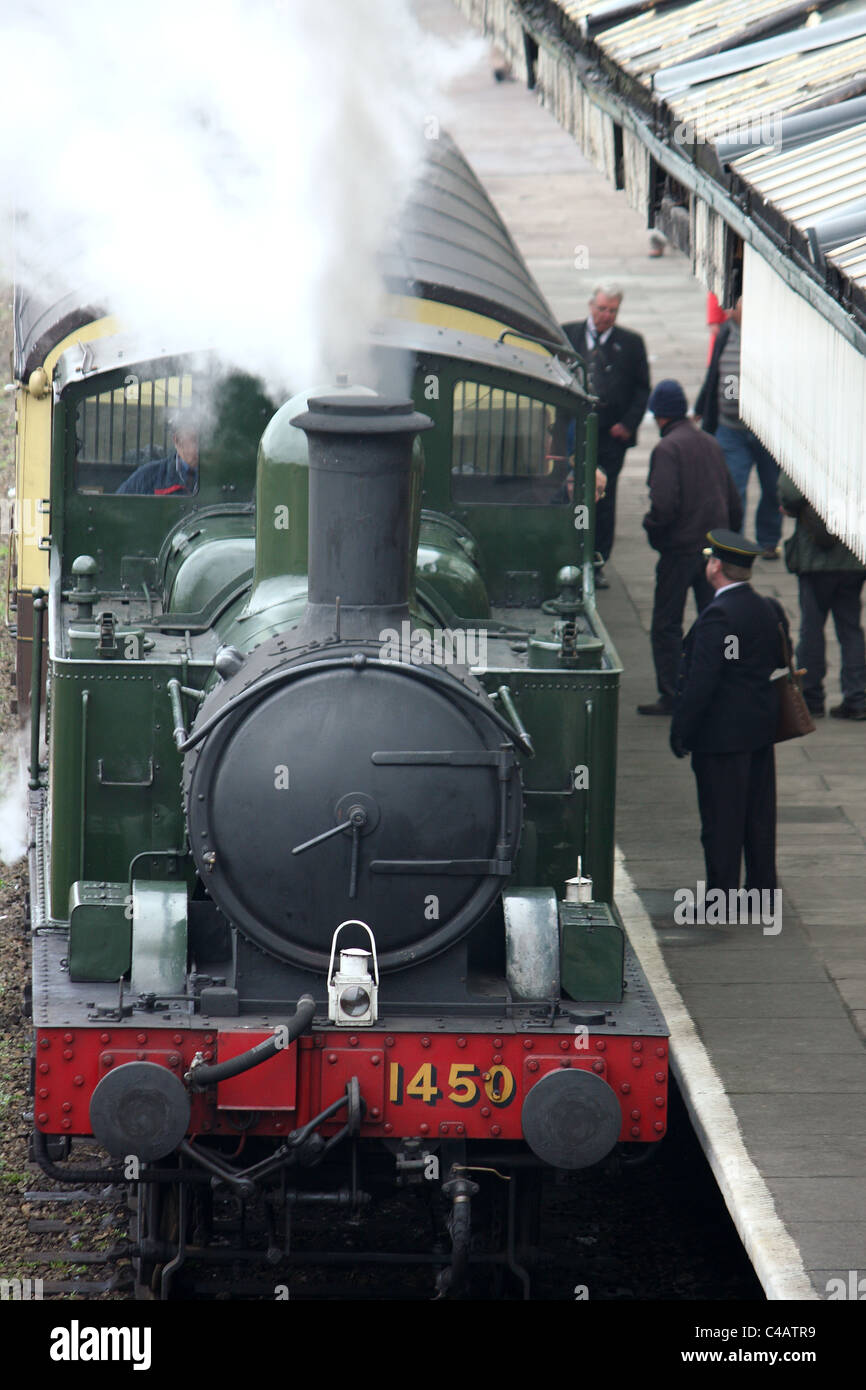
(219, 174)
(13, 797)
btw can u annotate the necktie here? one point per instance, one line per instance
(594, 364)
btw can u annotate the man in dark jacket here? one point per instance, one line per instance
(177, 472)
(618, 374)
(726, 714)
(691, 491)
(830, 579)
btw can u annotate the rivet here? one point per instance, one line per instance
(461, 1042)
(174, 1059)
(66, 1106)
(107, 1059)
(44, 1068)
(425, 1129)
(44, 1042)
(600, 1045)
(105, 1037)
(177, 1039)
(564, 1044)
(208, 1037)
(658, 1127)
(533, 1065)
(69, 1037)
(637, 1061)
(44, 1093)
(565, 1061)
(388, 1127)
(208, 1054)
(635, 1114)
(332, 1057)
(65, 1124)
(68, 1054)
(443, 1129)
(374, 1113)
(660, 1052)
(497, 1043)
(78, 1080)
(635, 1131)
(497, 1056)
(660, 1076)
(495, 1129)
(42, 1118)
(353, 1041)
(141, 1037)
(598, 1066)
(637, 1045)
(660, 1100)
(625, 1087)
(485, 1110)
(140, 1056)
(528, 1044)
(389, 1042)
(425, 1042)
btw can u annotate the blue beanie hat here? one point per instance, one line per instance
(668, 400)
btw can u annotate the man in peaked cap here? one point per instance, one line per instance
(726, 712)
(691, 491)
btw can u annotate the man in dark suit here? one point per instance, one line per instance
(618, 373)
(725, 714)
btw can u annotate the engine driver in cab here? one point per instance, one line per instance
(177, 472)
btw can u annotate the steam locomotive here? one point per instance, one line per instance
(322, 848)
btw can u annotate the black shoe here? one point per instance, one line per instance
(816, 711)
(846, 711)
(771, 553)
(661, 706)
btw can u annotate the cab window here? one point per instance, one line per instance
(507, 448)
(139, 438)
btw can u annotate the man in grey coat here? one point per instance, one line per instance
(691, 492)
(830, 579)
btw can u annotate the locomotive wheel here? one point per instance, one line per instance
(157, 1220)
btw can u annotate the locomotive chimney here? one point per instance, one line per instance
(365, 486)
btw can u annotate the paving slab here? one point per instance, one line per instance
(783, 1018)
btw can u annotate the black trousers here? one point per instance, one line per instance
(611, 456)
(837, 592)
(737, 802)
(675, 575)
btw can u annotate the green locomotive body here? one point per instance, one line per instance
(214, 659)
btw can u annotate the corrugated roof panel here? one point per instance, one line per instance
(771, 91)
(852, 259)
(824, 179)
(651, 41)
(808, 38)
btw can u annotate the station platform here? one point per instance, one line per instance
(767, 1029)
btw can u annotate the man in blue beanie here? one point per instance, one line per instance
(691, 492)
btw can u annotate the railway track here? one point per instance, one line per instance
(656, 1231)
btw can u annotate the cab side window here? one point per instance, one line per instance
(137, 438)
(507, 448)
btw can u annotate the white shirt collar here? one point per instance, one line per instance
(592, 337)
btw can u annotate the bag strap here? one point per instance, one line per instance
(787, 653)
